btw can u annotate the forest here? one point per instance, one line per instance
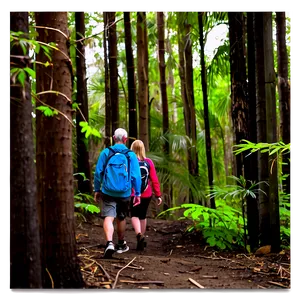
(216, 123)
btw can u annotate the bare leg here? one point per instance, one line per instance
(136, 224)
(143, 226)
(121, 226)
(108, 228)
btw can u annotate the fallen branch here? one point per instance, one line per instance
(196, 283)
(261, 287)
(278, 284)
(142, 281)
(115, 283)
(91, 246)
(103, 270)
(130, 267)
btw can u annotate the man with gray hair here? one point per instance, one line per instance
(117, 172)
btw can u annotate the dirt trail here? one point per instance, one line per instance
(173, 260)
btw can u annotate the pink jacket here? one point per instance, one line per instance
(152, 184)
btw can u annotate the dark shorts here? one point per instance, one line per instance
(140, 211)
(114, 207)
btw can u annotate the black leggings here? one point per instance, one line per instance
(140, 211)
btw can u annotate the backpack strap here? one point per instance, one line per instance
(125, 152)
(111, 152)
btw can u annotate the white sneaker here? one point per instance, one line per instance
(109, 250)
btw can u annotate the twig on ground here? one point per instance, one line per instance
(130, 267)
(116, 280)
(196, 283)
(103, 270)
(279, 284)
(261, 287)
(91, 246)
(142, 281)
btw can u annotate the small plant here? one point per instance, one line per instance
(84, 202)
(221, 227)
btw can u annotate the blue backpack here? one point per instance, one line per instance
(117, 171)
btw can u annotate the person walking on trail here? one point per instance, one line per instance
(117, 172)
(149, 181)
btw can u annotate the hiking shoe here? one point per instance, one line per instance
(109, 250)
(122, 247)
(140, 242)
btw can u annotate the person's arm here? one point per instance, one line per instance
(135, 174)
(98, 176)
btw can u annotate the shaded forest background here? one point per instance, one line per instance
(190, 112)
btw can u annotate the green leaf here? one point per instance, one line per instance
(21, 77)
(30, 72)
(47, 111)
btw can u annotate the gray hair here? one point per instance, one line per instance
(119, 134)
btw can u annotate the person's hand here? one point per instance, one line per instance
(159, 201)
(97, 197)
(136, 200)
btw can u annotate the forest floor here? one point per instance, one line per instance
(174, 260)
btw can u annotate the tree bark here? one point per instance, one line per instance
(284, 95)
(263, 173)
(82, 113)
(271, 132)
(252, 205)
(54, 158)
(113, 70)
(133, 133)
(142, 68)
(205, 105)
(25, 260)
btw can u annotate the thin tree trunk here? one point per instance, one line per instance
(113, 70)
(25, 260)
(206, 112)
(239, 106)
(263, 173)
(164, 98)
(131, 80)
(142, 68)
(54, 158)
(284, 95)
(83, 164)
(252, 205)
(108, 111)
(186, 108)
(271, 132)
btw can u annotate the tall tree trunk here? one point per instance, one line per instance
(54, 157)
(186, 107)
(252, 205)
(239, 103)
(131, 80)
(25, 260)
(271, 132)
(284, 95)
(164, 98)
(108, 110)
(205, 104)
(113, 70)
(142, 68)
(263, 173)
(82, 113)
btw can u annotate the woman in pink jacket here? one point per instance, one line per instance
(139, 212)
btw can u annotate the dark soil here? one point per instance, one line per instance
(174, 260)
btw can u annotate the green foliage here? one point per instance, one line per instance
(278, 148)
(221, 227)
(84, 203)
(47, 111)
(89, 130)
